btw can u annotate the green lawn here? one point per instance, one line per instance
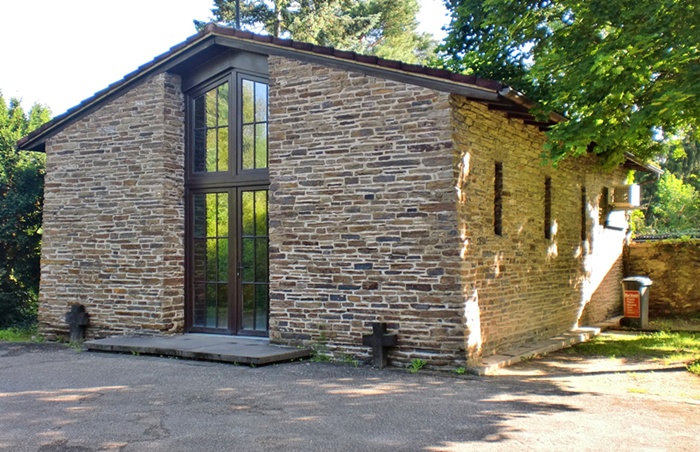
(665, 346)
(20, 335)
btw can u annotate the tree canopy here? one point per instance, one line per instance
(671, 203)
(21, 196)
(385, 28)
(626, 73)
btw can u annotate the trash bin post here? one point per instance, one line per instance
(635, 301)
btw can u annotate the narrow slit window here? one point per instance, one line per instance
(603, 209)
(498, 199)
(584, 223)
(548, 208)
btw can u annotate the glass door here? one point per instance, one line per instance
(228, 262)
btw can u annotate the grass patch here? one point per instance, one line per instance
(417, 365)
(20, 335)
(667, 346)
(689, 323)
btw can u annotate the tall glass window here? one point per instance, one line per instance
(227, 227)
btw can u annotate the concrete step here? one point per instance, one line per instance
(492, 363)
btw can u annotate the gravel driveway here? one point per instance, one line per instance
(55, 399)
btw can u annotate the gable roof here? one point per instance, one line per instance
(215, 39)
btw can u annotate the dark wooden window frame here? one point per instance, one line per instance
(233, 181)
(235, 175)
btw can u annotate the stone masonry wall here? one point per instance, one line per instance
(362, 214)
(672, 266)
(114, 216)
(520, 286)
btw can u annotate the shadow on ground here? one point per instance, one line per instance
(54, 399)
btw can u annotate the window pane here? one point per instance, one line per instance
(200, 148)
(222, 105)
(200, 218)
(222, 308)
(261, 306)
(261, 260)
(222, 148)
(200, 304)
(222, 260)
(211, 116)
(211, 103)
(248, 102)
(248, 306)
(211, 152)
(254, 124)
(248, 150)
(221, 214)
(212, 211)
(248, 260)
(260, 102)
(212, 261)
(260, 212)
(200, 259)
(200, 112)
(261, 145)
(211, 305)
(248, 209)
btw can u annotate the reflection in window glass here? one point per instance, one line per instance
(255, 278)
(254, 130)
(211, 256)
(211, 130)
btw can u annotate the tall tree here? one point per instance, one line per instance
(625, 72)
(386, 28)
(21, 196)
(676, 206)
(671, 203)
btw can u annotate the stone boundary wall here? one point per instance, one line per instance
(674, 268)
(114, 216)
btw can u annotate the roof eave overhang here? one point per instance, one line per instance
(634, 163)
(528, 104)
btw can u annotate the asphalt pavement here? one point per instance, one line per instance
(53, 398)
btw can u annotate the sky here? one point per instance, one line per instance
(59, 53)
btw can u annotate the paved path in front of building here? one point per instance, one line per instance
(54, 399)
